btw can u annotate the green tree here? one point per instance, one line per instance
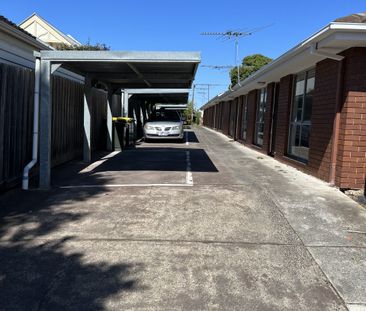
(197, 117)
(250, 64)
(84, 47)
(189, 112)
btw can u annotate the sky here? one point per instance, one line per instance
(158, 25)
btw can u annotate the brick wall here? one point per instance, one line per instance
(351, 161)
(351, 157)
(268, 118)
(283, 111)
(322, 118)
(252, 106)
(239, 118)
(226, 117)
(232, 119)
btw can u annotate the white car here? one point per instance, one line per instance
(164, 124)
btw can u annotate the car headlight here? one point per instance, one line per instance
(149, 127)
(176, 127)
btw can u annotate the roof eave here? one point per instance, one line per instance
(23, 37)
(324, 32)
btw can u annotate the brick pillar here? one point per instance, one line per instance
(322, 118)
(239, 118)
(252, 106)
(226, 117)
(283, 115)
(351, 160)
(268, 118)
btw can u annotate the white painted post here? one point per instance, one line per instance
(109, 119)
(125, 103)
(87, 120)
(45, 126)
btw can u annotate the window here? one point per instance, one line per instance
(244, 120)
(300, 122)
(259, 121)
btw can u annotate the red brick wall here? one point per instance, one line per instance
(322, 118)
(268, 118)
(351, 158)
(226, 117)
(351, 161)
(252, 104)
(233, 116)
(283, 111)
(239, 118)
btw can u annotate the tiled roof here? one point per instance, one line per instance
(353, 18)
(5, 20)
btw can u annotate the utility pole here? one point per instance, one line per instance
(207, 87)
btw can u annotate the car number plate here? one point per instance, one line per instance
(163, 134)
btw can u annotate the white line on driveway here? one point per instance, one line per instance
(189, 177)
(125, 185)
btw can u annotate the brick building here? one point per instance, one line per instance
(306, 108)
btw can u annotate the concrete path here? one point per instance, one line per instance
(203, 225)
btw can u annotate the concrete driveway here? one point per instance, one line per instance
(203, 225)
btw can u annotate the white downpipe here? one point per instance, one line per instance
(37, 75)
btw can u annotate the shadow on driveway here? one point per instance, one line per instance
(41, 274)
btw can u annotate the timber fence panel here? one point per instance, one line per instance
(16, 122)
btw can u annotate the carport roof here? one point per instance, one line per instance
(131, 69)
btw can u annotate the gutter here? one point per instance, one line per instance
(28, 167)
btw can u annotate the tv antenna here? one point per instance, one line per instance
(235, 35)
(219, 67)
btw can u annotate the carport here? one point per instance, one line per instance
(144, 78)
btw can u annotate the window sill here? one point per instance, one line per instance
(295, 160)
(257, 146)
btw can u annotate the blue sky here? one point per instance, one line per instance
(176, 25)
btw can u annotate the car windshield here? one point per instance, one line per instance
(167, 115)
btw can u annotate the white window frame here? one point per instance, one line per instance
(296, 122)
(261, 103)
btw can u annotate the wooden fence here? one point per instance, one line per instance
(16, 121)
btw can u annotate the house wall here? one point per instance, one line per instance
(268, 118)
(351, 161)
(239, 117)
(322, 118)
(251, 110)
(330, 81)
(283, 113)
